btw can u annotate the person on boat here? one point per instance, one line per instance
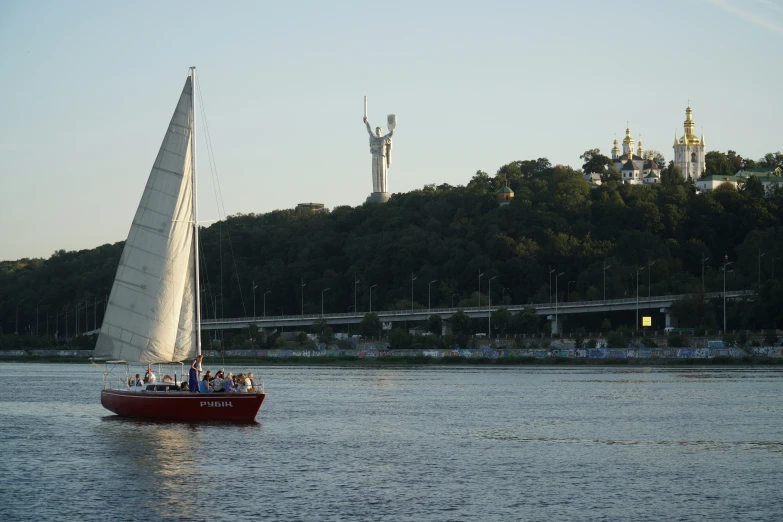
(204, 385)
(138, 381)
(131, 381)
(252, 381)
(195, 370)
(217, 382)
(245, 385)
(228, 384)
(149, 377)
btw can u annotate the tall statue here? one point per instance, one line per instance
(380, 148)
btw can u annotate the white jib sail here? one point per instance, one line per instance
(150, 316)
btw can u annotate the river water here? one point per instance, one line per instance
(406, 444)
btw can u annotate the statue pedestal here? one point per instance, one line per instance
(378, 197)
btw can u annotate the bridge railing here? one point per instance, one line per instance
(540, 307)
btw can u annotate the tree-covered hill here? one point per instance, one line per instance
(556, 223)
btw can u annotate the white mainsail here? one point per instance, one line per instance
(151, 313)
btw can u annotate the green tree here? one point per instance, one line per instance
(370, 326)
(460, 324)
(718, 164)
(753, 187)
(595, 162)
(616, 340)
(399, 339)
(672, 176)
(502, 319)
(527, 320)
(324, 332)
(435, 324)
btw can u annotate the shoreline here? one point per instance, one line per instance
(447, 361)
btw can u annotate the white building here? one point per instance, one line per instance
(689, 150)
(708, 183)
(634, 168)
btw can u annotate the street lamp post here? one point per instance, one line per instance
(267, 292)
(703, 259)
(355, 282)
(322, 301)
(429, 295)
(303, 285)
(725, 264)
(551, 270)
(649, 266)
(606, 267)
(557, 324)
(489, 308)
(637, 297)
(412, 280)
(373, 286)
(16, 328)
(479, 289)
(36, 315)
(254, 297)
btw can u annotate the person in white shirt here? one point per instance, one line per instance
(149, 377)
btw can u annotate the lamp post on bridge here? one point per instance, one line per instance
(479, 289)
(322, 300)
(636, 325)
(356, 282)
(649, 270)
(412, 280)
(254, 297)
(489, 308)
(551, 271)
(267, 292)
(16, 328)
(429, 295)
(703, 259)
(373, 286)
(303, 285)
(36, 315)
(557, 323)
(725, 264)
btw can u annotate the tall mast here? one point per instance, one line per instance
(195, 204)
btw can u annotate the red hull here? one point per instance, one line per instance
(235, 407)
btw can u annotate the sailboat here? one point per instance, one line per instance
(153, 314)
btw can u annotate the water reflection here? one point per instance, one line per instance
(161, 458)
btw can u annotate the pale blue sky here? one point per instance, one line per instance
(87, 89)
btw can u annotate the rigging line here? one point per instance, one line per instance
(220, 192)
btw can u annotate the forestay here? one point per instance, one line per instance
(151, 314)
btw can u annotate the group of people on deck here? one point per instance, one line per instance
(149, 378)
(220, 382)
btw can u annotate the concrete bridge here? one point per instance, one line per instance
(550, 310)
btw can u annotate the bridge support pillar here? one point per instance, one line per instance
(557, 324)
(671, 319)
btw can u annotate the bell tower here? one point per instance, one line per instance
(689, 149)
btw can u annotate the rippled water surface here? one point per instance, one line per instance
(406, 444)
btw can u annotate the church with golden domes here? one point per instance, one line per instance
(689, 150)
(634, 168)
